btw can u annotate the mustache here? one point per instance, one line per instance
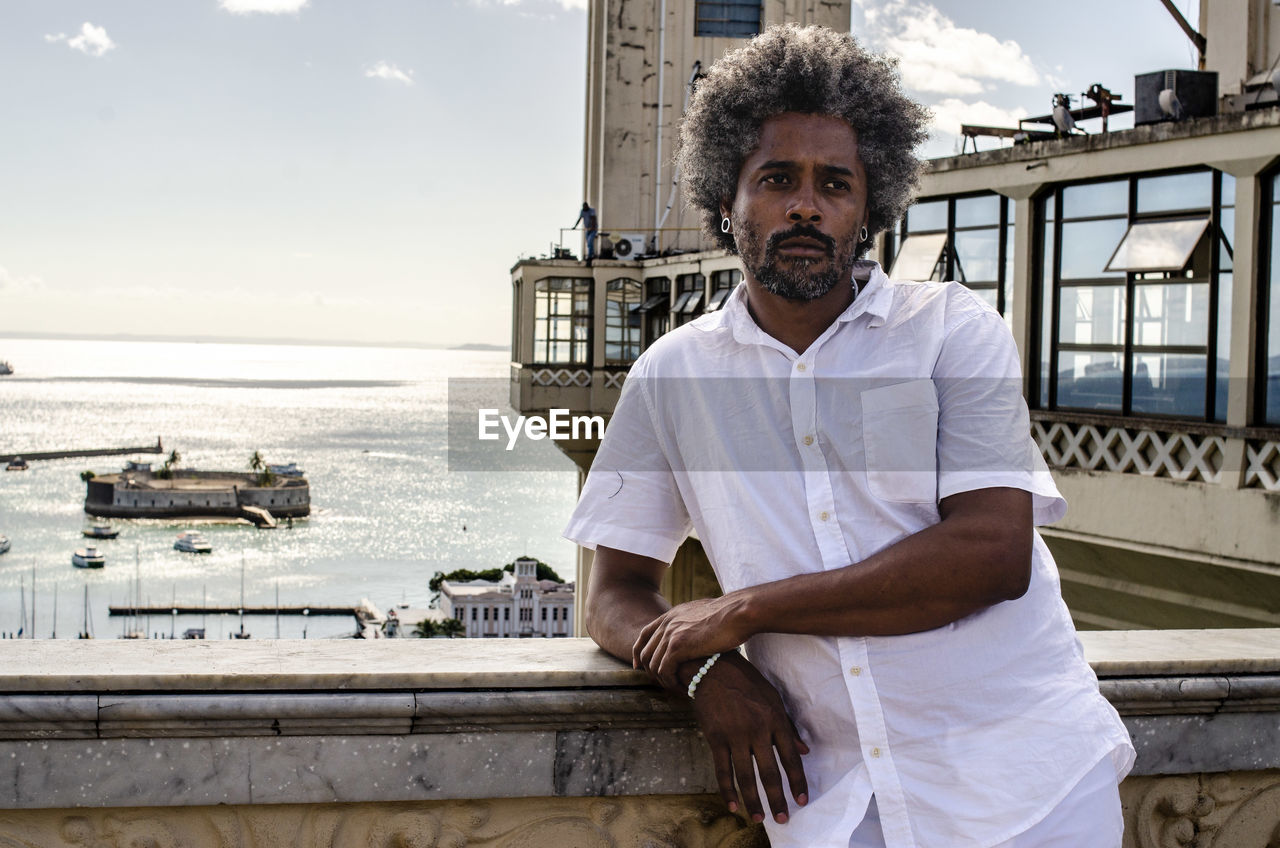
(801, 231)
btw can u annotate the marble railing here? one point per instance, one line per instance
(517, 743)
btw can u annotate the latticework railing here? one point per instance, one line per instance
(563, 377)
(1262, 464)
(1131, 450)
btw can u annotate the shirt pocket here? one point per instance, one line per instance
(900, 434)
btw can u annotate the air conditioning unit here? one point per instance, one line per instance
(628, 245)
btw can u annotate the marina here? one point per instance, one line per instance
(368, 426)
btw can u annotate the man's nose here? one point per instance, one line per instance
(804, 206)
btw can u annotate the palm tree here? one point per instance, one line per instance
(256, 462)
(451, 627)
(425, 629)
(174, 458)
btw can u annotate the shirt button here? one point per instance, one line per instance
(875, 752)
(800, 366)
(856, 670)
(824, 515)
(808, 440)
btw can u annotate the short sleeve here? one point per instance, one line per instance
(631, 500)
(984, 429)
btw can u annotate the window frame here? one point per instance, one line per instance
(1129, 283)
(581, 288)
(1003, 283)
(726, 27)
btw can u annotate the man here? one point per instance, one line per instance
(591, 223)
(854, 454)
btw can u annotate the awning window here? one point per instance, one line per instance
(688, 303)
(718, 297)
(918, 257)
(1158, 245)
(657, 301)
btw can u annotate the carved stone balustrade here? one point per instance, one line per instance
(517, 743)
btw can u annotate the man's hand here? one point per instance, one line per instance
(692, 630)
(743, 719)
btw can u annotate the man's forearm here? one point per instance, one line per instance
(926, 580)
(977, 556)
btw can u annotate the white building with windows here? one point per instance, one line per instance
(517, 606)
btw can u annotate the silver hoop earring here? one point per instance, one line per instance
(863, 235)
(726, 226)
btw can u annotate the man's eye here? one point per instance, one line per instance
(839, 185)
(776, 179)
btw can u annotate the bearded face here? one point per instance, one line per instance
(796, 275)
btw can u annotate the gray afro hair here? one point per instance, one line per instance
(814, 70)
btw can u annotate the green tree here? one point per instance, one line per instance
(256, 462)
(451, 627)
(545, 572)
(86, 475)
(426, 628)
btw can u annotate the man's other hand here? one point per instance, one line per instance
(744, 721)
(692, 630)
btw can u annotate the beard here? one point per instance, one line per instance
(794, 278)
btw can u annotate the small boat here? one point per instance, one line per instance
(4, 544)
(5, 368)
(17, 464)
(192, 542)
(100, 530)
(88, 558)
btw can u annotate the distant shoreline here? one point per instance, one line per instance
(248, 340)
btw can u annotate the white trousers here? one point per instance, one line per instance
(1089, 815)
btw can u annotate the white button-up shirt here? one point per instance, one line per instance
(788, 464)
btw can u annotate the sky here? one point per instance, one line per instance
(370, 170)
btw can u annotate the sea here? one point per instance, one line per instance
(368, 425)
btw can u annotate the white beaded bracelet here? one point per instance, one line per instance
(702, 672)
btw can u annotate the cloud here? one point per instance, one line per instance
(19, 285)
(387, 71)
(263, 7)
(951, 112)
(92, 40)
(940, 57)
(567, 5)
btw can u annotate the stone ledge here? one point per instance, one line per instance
(179, 724)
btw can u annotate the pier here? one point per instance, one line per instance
(167, 609)
(72, 454)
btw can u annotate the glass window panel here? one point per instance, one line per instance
(977, 257)
(1168, 384)
(1046, 302)
(1088, 380)
(931, 215)
(1087, 245)
(1091, 315)
(1158, 245)
(1091, 199)
(1009, 236)
(1176, 191)
(978, 211)
(1224, 347)
(1171, 314)
(1227, 234)
(1273, 317)
(1228, 196)
(988, 294)
(918, 258)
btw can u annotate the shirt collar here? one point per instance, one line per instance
(875, 297)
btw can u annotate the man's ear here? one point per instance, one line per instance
(726, 207)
